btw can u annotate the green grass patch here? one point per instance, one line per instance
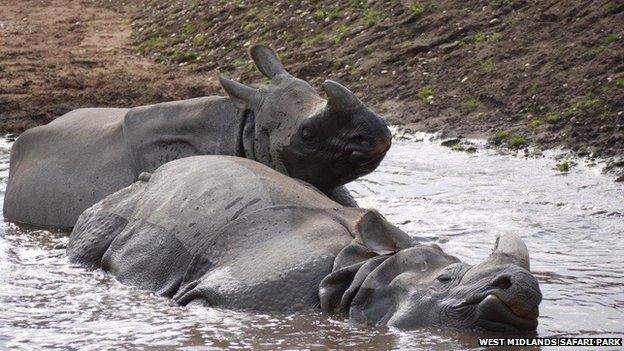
(513, 141)
(200, 39)
(502, 135)
(488, 64)
(314, 39)
(249, 27)
(426, 95)
(472, 104)
(535, 87)
(189, 28)
(496, 36)
(152, 44)
(611, 38)
(480, 37)
(418, 9)
(553, 117)
(516, 141)
(586, 102)
(483, 37)
(619, 83)
(322, 15)
(563, 167)
(372, 17)
(340, 32)
(536, 122)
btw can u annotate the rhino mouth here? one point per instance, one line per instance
(369, 165)
(495, 314)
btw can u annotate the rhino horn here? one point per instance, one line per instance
(339, 98)
(240, 93)
(266, 60)
(509, 248)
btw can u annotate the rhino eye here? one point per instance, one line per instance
(444, 278)
(306, 134)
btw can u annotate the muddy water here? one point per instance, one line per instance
(572, 224)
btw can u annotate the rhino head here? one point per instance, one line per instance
(406, 285)
(326, 142)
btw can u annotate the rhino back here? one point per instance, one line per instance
(226, 231)
(60, 169)
(157, 134)
(193, 197)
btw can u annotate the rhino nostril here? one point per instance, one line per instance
(502, 282)
(360, 140)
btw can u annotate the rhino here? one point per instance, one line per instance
(230, 232)
(60, 169)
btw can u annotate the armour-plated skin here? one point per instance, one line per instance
(231, 232)
(60, 169)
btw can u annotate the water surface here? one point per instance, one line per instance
(572, 225)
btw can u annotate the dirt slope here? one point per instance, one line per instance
(547, 73)
(59, 55)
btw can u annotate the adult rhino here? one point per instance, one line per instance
(230, 232)
(60, 169)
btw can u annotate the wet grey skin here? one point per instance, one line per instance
(60, 169)
(230, 232)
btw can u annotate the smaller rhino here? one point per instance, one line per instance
(230, 232)
(60, 169)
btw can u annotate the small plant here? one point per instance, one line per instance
(382, 108)
(323, 15)
(2, 68)
(496, 36)
(406, 43)
(372, 17)
(248, 27)
(502, 135)
(189, 28)
(480, 37)
(516, 142)
(563, 167)
(320, 15)
(619, 82)
(426, 95)
(341, 31)
(535, 87)
(513, 141)
(483, 37)
(419, 9)
(489, 64)
(152, 44)
(472, 104)
(200, 39)
(314, 39)
(333, 15)
(586, 102)
(611, 38)
(536, 122)
(553, 117)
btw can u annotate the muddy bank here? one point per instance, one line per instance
(59, 55)
(531, 72)
(542, 73)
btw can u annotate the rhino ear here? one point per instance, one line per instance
(242, 95)
(266, 60)
(381, 237)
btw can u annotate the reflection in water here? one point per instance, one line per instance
(571, 224)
